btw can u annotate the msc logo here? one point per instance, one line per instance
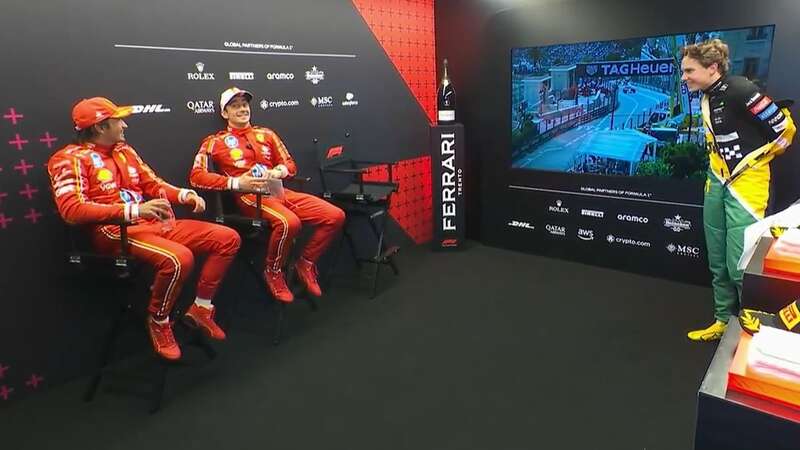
(520, 224)
(322, 102)
(586, 235)
(684, 250)
(632, 218)
(147, 109)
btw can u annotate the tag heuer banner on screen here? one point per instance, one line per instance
(447, 160)
(626, 68)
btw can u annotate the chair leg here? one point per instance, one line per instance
(326, 281)
(379, 251)
(107, 353)
(159, 385)
(352, 246)
(375, 281)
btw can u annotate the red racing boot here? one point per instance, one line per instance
(307, 272)
(277, 286)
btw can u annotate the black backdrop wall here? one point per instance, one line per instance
(176, 57)
(480, 68)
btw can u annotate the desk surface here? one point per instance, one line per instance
(715, 383)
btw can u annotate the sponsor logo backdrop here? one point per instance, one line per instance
(316, 69)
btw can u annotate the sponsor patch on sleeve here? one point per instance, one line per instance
(772, 109)
(763, 103)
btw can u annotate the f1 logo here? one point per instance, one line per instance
(334, 152)
(449, 242)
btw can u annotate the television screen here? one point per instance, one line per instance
(619, 107)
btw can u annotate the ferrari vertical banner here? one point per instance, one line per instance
(447, 170)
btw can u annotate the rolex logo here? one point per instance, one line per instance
(199, 66)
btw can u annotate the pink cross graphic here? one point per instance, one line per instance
(23, 167)
(28, 191)
(12, 114)
(33, 215)
(3, 371)
(4, 221)
(34, 381)
(18, 141)
(5, 391)
(48, 140)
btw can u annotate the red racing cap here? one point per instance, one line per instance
(94, 110)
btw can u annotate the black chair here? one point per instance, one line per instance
(254, 232)
(343, 183)
(123, 269)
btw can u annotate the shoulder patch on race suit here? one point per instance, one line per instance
(768, 112)
(752, 99)
(778, 117)
(97, 160)
(763, 103)
(236, 154)
(231, 141)
(260, 137)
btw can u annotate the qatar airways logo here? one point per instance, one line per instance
(556, 230)
(201, 106)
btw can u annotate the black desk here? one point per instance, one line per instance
(729, 420)
(766, 291)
